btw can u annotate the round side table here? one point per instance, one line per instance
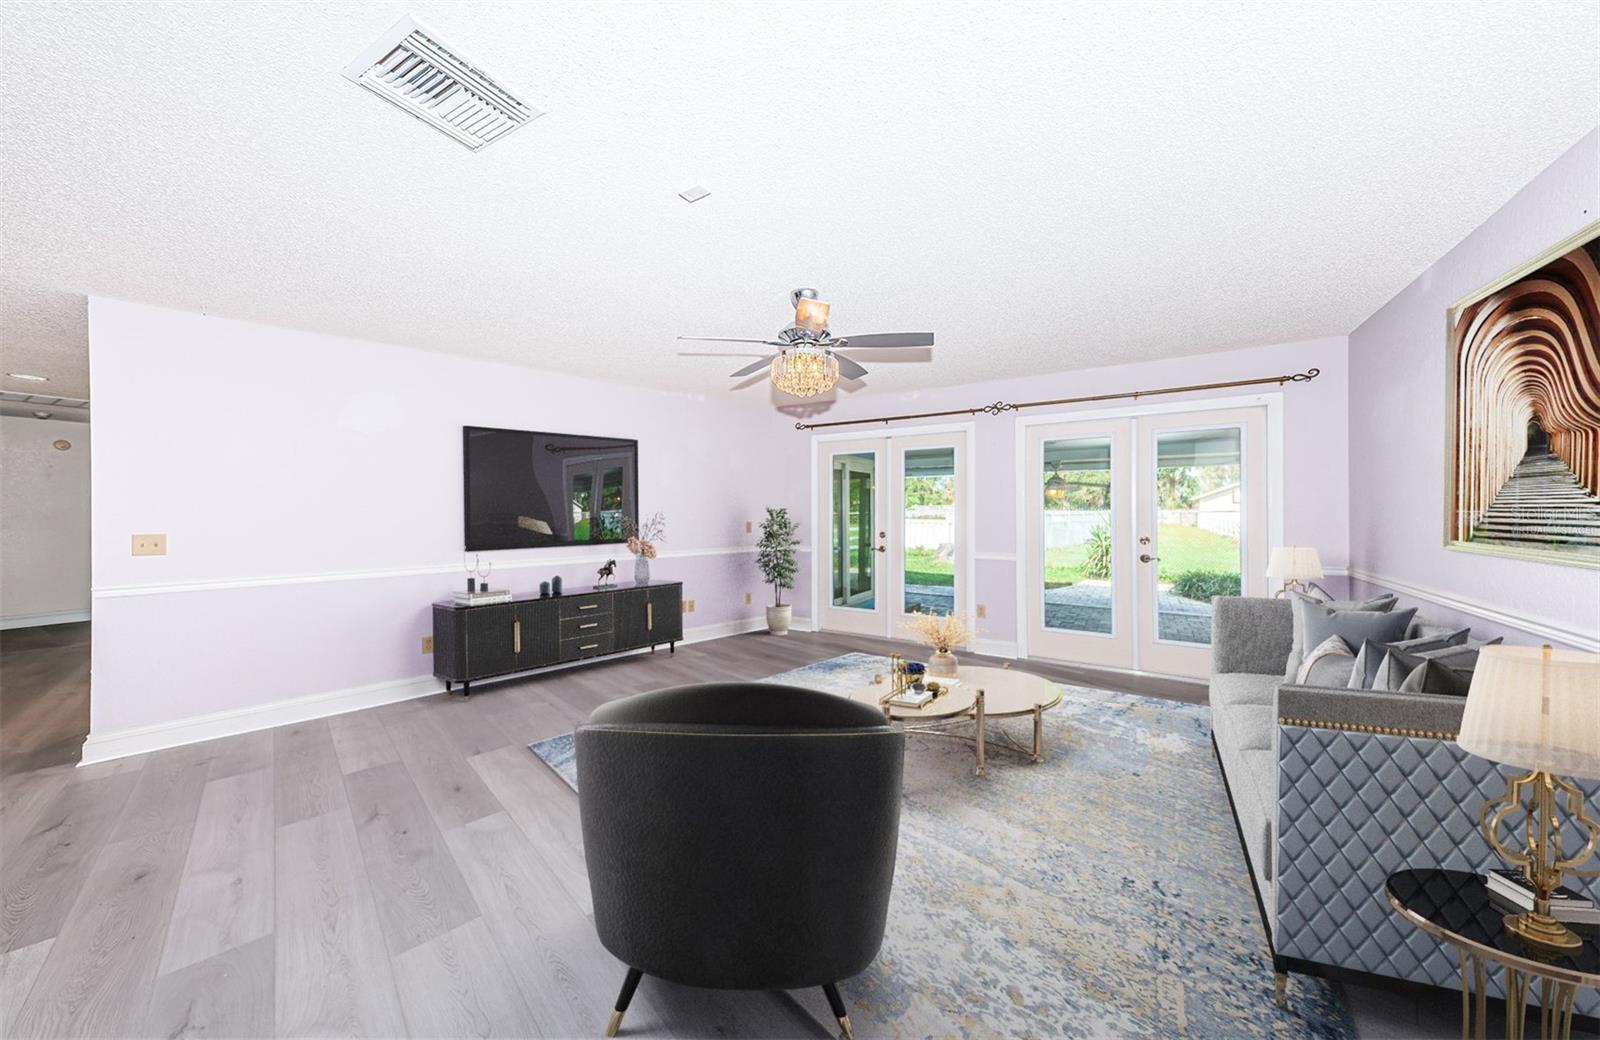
(1454, 905)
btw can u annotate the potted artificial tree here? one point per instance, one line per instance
(775, 557)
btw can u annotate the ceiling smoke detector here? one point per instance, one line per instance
(411, 68)
(694, 194)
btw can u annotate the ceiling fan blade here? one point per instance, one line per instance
(754, 367)
(717, 353)
(849, 369)
(889, 339)
(726, 339)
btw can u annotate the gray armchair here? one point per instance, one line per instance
(740, 836)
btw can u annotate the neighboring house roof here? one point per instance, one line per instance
(1230, 491)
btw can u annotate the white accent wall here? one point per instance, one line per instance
(44, 522)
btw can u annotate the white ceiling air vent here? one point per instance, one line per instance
(412, 68)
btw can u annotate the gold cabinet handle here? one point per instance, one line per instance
(592, 624)
(591, 646)
(516, 636)
(588, 606)
(649, 616)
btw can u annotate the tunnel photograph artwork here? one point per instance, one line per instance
(1524, 363)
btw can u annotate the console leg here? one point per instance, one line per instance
(672, 648)
(836, 1002)
(620, 1008)
(1280, 988)
(447, 685)
(466, 689)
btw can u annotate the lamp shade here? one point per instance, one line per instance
(1535, 708)
(1294, 562)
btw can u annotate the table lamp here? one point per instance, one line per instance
(1294, 564)
(1538, 709)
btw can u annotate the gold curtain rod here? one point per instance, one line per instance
(1001, 406)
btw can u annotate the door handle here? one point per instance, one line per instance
(649, 617)
(1147, 558)
(516, 636)
(881, 548)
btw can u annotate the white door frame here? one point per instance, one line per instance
(1271, 401)
(820, 577)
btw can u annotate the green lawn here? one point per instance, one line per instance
(1181, 549)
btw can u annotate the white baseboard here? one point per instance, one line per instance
(102, 747)
(996, 647)
(60, 617)
(1544, 628)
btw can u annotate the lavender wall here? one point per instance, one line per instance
(310, 490)
(1397, 432)
(1315, 419)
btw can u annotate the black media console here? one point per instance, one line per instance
(475, 643)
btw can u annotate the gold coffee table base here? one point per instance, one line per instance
(985, 696)
(1556, 1000)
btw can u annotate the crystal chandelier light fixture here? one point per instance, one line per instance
(805, 370)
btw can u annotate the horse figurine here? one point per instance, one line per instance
(606, 573)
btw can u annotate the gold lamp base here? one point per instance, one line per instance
(1542, 930)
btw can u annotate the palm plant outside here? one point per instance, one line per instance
(775, 552)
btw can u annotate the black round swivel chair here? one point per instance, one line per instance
(740, 836)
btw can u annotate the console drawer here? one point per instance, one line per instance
(584, 606)
(586, 646)
(593, 623)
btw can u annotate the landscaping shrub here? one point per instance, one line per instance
(1202, 585)
(1097, 558)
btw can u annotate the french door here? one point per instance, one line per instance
(1132, 524)
(894, 530)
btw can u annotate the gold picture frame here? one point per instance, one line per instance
(1523, 354)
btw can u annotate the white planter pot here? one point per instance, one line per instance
(779, 618)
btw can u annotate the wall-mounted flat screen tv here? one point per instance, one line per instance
(526, 490)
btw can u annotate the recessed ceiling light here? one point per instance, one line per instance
(411, 67)
(28, 377)
(694, 194)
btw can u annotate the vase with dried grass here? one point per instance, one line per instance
(941, 632)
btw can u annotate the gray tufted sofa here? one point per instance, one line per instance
(1333, 790)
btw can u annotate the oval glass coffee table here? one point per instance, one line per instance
(983, 694)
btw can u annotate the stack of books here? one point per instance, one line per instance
(911, 697)
(478, 599)
(1512, 888)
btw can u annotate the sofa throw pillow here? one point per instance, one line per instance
(1354, 626)
(1434, 676)
(1393, 669)
(1299, 603)
(1326, 665)
(1370, 656)
(1422, 628)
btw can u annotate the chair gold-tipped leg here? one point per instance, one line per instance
(629, 984)
(1280, 989)
(836, 1002)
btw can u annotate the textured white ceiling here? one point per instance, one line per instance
(1045, 187)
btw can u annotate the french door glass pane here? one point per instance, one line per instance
(582, 506)
(929, 527)
(854, 562)
(1198, 527)
(1077, 532)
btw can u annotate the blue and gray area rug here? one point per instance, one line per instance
(1099, 893)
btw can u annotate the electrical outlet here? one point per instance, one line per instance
(749, 528)
(149, 545)
(427, 644)
(688, 606)
(983, 611)
(747, 599)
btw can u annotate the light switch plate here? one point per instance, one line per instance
(149, 545)
(427, 644)
(748, 527)
(688, 606)
(747, 599)
(983, 611)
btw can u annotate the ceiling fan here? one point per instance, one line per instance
(806, 362)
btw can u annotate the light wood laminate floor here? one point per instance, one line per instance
(410, 869)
